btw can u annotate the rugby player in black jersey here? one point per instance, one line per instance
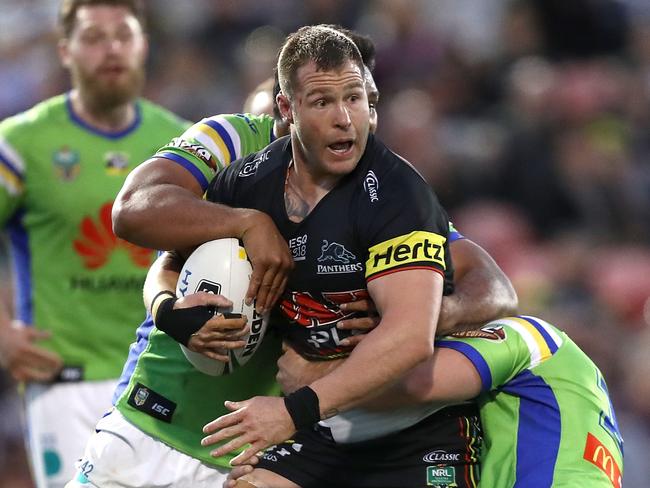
(369, 220)
(477, 270)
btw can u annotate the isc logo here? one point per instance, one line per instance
(157, 407)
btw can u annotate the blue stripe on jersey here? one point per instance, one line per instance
(225, 137)
(22, 272)
(552, 346)
(455, 236)
(538, 435)
(189, 166)
(12, 169)
(136, 349)
(103, 133)
(475, 357)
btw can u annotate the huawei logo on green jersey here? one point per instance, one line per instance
(97, 242)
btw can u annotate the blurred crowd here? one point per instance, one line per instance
(530, 118)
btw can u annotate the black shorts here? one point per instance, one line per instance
(440, 451)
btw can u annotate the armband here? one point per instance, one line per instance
(303, 407)
(181, 323)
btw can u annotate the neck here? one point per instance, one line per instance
(112, 119)
(302, 191)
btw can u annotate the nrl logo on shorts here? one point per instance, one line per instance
(490, 333)
(141, 396)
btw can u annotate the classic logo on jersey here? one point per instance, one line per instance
(97, 242)
(417, 249)
(598, 455)
(250, 168)
(116, 163)
(66, 163)
(441, 476)
(298, 247)
(371, 185)
(335, 258)
(316, 335)
(440, 456)
(197, 150)
(496, 334)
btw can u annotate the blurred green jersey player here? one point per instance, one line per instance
(77, 286)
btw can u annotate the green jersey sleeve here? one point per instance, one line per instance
(215, 142)
(504, 348)
(12, 169)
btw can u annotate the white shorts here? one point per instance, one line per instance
(61, 417)
(121, 455)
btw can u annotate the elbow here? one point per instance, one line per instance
(418, 384)
(510, 300)
(123, 217)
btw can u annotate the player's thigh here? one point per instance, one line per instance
(262, 478)
(121, 455)
(60, 419)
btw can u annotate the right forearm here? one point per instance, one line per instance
(162, 276)
(160, 206)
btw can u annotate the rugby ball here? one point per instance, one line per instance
(221, 267)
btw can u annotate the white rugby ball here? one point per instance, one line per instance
(221, 267)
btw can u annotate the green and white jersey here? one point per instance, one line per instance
(160, 392)
(546, 413)
(73, 277)
(217, 141)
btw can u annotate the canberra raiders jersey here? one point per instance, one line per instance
(546, 413)
(160, 391)
(379, 219)
(73, 277)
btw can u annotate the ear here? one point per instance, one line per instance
(64, 52)
(284, 105)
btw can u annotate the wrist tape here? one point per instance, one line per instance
(181, 323)
(303, 407)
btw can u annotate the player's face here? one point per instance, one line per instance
(329, 111)
(105, 55)
(373, 98)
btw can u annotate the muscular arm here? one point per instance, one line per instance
(160, 206)
(408, 303)
(482, 290)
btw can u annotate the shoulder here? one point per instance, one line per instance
(43, 114)
(161, 115)
(380, 168)
(258, 164)
(231, 128)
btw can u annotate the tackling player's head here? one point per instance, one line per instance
(323, 98)
(102, 43)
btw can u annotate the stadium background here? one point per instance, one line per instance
(530, 118)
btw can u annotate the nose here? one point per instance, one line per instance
(342, 116)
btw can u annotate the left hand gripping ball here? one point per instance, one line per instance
(221, 267)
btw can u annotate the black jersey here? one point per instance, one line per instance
(379, 219)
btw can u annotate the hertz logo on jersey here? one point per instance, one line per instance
(419, 249)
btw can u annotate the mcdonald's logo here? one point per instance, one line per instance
(598, 455)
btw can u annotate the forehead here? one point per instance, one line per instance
(104, 15)
(369, 80)
(309, 78)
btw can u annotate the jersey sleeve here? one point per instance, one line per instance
(454, 234)
(12, 174)
(505, 347)
(404, 227)
(213, 143)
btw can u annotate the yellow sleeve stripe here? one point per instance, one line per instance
(10, 181)
(541, 348)
(217, 141)
(418, 247)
